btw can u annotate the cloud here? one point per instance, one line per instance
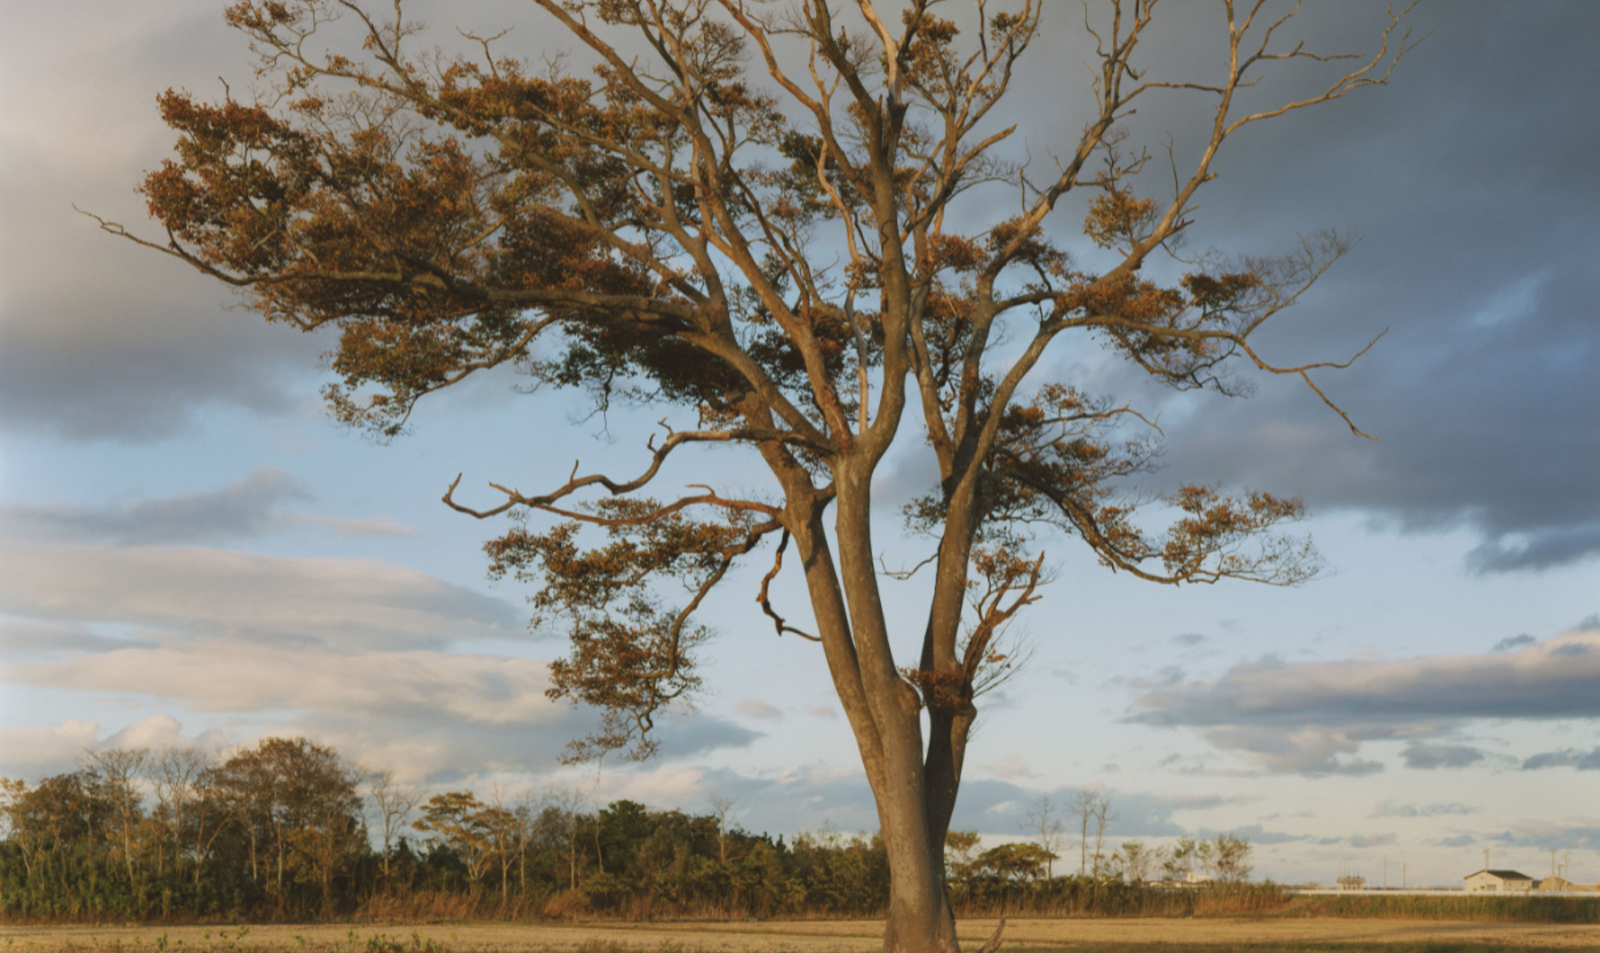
(1482, 391)
(1512, 642)
(1540, 835)
(1255, 834)
(1312, 751)
(1541, 549)
(1460, 840)
(33, 636)
(1011, 766)
(1373, 840)
(103, 340)
(1426, 757)
(1565, 758)
(1391, 809)
(231, 675)
(1302, 717)
(244, 509)
(197, 592)
(755, 708)
(35, 752)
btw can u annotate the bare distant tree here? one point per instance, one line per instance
(1082, 808)
(1229, 856)
(1102, 815)
(1042, 821)
(562, 806)
(392, 804)
(720, 805)
(176, 773)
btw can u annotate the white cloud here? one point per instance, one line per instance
(32, 752)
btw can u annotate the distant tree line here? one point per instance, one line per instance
(288, 829)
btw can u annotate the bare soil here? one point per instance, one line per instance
(782, 936)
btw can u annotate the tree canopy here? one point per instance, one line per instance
(773, 223)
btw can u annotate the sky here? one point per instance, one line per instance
(192, 551)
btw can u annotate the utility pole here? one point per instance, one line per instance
(1386, 871)
(1402, 875)
(1486, 858)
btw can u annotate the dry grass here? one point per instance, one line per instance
(1201, 935)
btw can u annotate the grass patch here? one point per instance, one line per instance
(1465, 907)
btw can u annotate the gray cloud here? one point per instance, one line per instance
(39, 636)
(1550, 546)
(1482, 390)
(1391, 809)
(1255, 834)
(1304, 717)
(1460, 840)
(1552, 679)
(103, 340)
(1511, 642)
(195, 592)
(1541, 835)
(240, 510)
(1565, 758)
(1426, 757)
(998, 807)
(1373, 840)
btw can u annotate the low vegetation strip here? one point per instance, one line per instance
(1461, 906)
(1145, 935)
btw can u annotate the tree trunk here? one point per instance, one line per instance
(885, 716)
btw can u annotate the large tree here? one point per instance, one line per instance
(775, 220)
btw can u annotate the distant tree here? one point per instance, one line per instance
(961, 856)
(1133, 861)
(117, 773)
(756, 220)
(392, 804)
(1090, 810)
(1179, 859)
(1016, 861)
(1042, 820)
(1101, 815)
(458, 820)
(177, 774)
(562, 814)
(720, 806)
(299, 806)
(1226, 858)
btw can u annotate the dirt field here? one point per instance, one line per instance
(797, 936)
